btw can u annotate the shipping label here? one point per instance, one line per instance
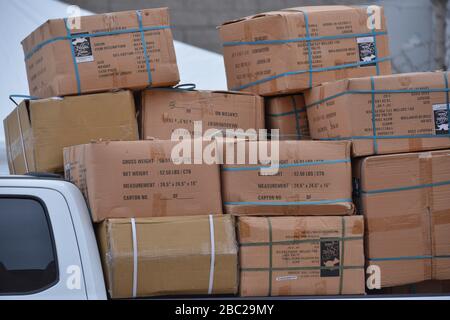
(82, 49)
(440, 114)
(367, 50)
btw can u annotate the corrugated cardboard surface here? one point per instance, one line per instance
(405, 201)
(138, 179)
(38, 130)
(165, 110)
(298, 188)
(104, 62)
(174, 256)
(251, 63)
(301, 255)
(412, 114)
(425, 287)
(288, 114)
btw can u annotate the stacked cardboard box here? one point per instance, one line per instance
(288, 115)
(282, 256)
(289, 241)
(158, 207)
(166, 111)
(349, 95)
(158, 232)
(36, 131)
(383, 114)
(124, 179)
(425, 287)
(291, 50)
(404, 199)
(163, 256)
(400, 195)
(286, 51)
(310, 178)
(129, 49)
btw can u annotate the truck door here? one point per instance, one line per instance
(39, 256)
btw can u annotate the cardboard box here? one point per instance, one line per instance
(404, 200)
(269, 53)
(425, 287)
(174, 255)
(410, 113)
(313, 178)
(126, 179)
(288, 114)
(281, 256)
(37, 130)
(106, 52)
(165, 110)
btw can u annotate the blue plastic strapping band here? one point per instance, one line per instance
(373, 92)
(39, 46)
(308, 40)
(287, 203)
(288, 165)
(290, 73)
(21, 96)
(410, 258)
(419, 186)
(447, 100)
(374, 124)
(316, 38)
(144, 46)
(297, 118)
(74, 59)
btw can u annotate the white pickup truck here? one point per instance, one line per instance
(48, 248)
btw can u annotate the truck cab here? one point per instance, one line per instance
(48, 248)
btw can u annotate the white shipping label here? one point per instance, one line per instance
(82, 49)
(367, 52)
(440, 115)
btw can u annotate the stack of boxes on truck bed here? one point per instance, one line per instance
(169, 222)
(332, 64)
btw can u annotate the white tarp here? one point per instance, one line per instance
(18, 18)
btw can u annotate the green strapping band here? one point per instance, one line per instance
(270, 255)
(341, 260)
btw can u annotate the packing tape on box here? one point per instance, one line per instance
(374, 92)
(135, 257)
(213, 254)
(19, 121)
(141, 29)
(9, 150)
(308, 38)
(180, 88)
(426, 177)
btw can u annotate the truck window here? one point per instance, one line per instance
(28, 261)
